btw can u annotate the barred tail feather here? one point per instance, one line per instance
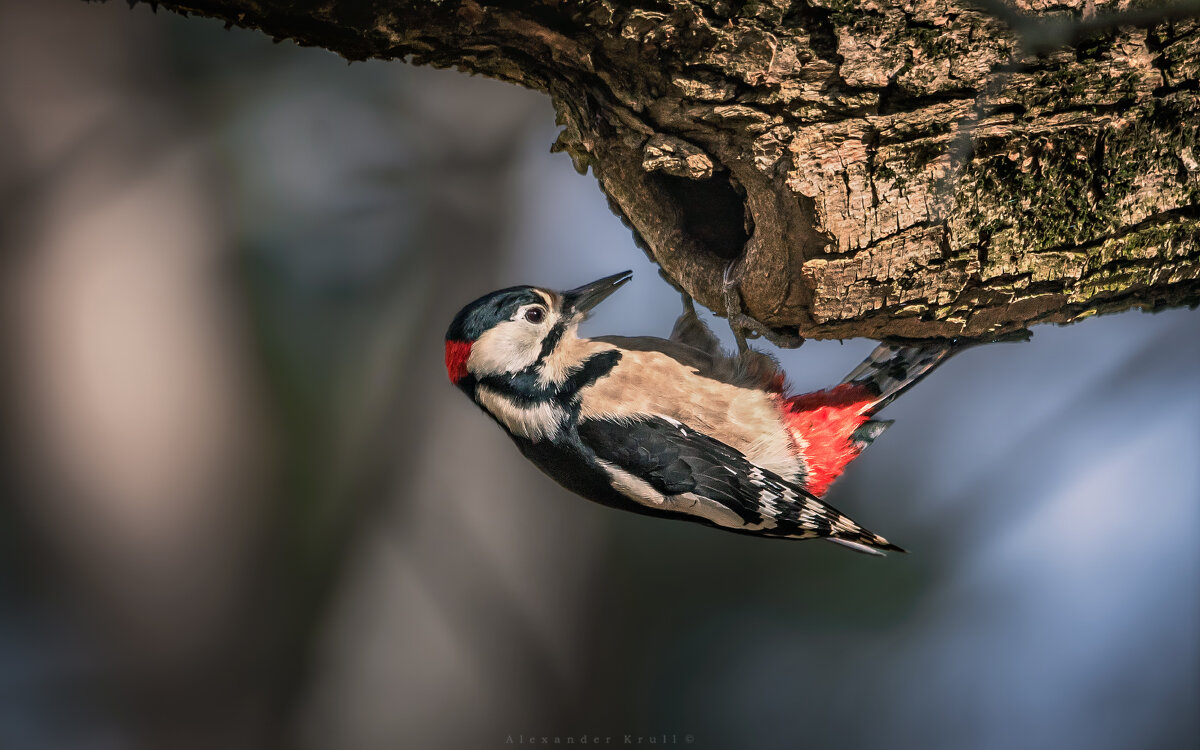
(834, 426)
(866, 549)
(868, 543)
(867, 432)
(891, 370)
(807, 517)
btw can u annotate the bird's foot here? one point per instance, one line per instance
(746, 327)
(689, 304)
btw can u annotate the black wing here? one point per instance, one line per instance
(665, 464)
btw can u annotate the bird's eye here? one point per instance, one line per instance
(535, 315)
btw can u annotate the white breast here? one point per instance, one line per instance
(538, 422)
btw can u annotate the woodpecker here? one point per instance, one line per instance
(674, 427)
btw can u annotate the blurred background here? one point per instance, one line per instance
(242, 507)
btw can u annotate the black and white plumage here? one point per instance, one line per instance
(672, 427)
(668, 464)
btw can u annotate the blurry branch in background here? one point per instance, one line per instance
(959, 169)
(351, 429)
(208, 400)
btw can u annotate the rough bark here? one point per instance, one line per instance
(888, 168)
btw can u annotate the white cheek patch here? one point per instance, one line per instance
(542, 421)
(507, 348)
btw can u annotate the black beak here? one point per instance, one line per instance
(586, 297)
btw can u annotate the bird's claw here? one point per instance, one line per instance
(689, 305)
(738, 322)
(746, 327)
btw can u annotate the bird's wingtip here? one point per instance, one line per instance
(877, 550)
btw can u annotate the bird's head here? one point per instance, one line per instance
(511, 330)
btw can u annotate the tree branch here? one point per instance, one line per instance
(880, 168)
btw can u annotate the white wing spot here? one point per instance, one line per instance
(632, 487)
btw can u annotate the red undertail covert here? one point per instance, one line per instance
(826, 420)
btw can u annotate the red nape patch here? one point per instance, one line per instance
(824, 421)
(456, 359)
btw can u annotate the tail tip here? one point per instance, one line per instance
(877, 547)
(867, 432)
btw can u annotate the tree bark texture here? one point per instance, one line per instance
(887, 168)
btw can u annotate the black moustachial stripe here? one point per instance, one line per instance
(525, 389)
(552, 338)
(594, 368)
